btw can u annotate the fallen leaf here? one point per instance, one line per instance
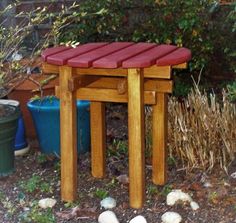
(201, 194)
(230, 200)
(195, 186)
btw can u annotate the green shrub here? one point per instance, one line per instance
(232, 91)
(185, 23)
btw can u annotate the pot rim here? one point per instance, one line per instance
(11, 117)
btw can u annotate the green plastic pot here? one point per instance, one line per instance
(8, 124)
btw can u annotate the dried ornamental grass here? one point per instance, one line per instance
(202, 131)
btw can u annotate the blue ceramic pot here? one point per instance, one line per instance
(46, 118)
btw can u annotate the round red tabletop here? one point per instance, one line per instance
(117, 55)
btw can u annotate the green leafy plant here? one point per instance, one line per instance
(34, 184)
(213, 197)
(112, 183)
(71, 204)
(118, 147)
(152, 190)
(9, 206)
(41, 158)
(181, 88)
(206, 27)
(166, 190)
(2, 195)
(100, 193)
(36, 214)
(232, 91)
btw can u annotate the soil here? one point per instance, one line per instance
(214, 192)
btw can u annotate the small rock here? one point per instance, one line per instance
(207, 184)
(47, 203)
(138, 219)
(124, 179)
(233, 175)
(108, 203)
(108, 217)
(16, 56)
(177, 195)
(194, 205)
(171, 217)
(226, 184)
(26, 209)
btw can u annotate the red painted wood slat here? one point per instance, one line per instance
(61, 58)
(87, 59)
(148, 58)
(179, 56)
(53, 50)
(115, 60)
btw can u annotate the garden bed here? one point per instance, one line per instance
(37, 177)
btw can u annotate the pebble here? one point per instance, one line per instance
(194, 205)
(124, 179)
(108, 217)
(171, 217)
(26, 208)
(177, 195)
(138, 219)
(207, 184)
(227, 184)
(233, 175)
(108, 203)
(47, 203)
(16, 56)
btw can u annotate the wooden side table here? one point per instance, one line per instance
(133, 73)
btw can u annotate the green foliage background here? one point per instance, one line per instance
(204, 26)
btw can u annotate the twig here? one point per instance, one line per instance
(39, 85)
(85, 217)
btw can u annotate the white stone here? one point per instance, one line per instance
(194, 205)
(233, 175)
(177, 195)
(47, 203)
(207, 184)
(16, 56)
(171, 217)
(108, 217)
(108, 203)
(138, 219)
(26, 209)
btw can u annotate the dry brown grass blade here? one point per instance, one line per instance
(202, 131)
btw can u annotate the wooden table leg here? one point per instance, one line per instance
(159, 128)
(98, 138)
(68, 137)
(136, 138)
